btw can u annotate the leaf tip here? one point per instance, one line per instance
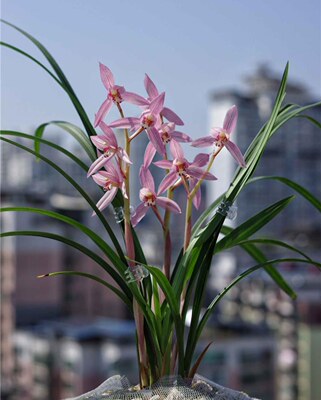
(42, 276)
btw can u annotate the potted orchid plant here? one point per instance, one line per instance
(159, 297)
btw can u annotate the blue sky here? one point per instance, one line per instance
(188, 48)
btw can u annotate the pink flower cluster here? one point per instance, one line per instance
(159, 123)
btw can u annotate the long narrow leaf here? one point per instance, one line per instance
(298, 188)
(9, 46)
(48, 143)
(274, 242)
(173, 303)
(61, 76)
(252, 225)
(81, 191)
(250, 247)
(240, 277)
(94, 278)
(116, 277)
(73, 130)
(72, 222)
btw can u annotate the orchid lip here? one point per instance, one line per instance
(115, 95)
(166, 138)
(148, 121)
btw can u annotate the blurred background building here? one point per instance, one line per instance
(62, 336)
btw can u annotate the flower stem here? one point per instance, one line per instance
(190, 197)
(167, 239)
(129, 241)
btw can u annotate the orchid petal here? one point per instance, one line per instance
(155, 138)
(198, 196)
(100, 179)
(197, 199)
(150, 87)
(230, 119)
(205, 141)
(107, 198)
(236, 153)
(168, 204)
(149, 154)
(165, 164)
(125, 123)
(176, 150)
(134, 99)
(156, 105)
(172, 146)
(200, 160)
(123, 155)
(123, 189)
(167, 182)
(181, 137)
(99, 163)
(198, 173)
(99, 141)
(147, 179)
(107, 76)
(112, 172)
(103, 110)
(109, 133)
(171, 116)
(139, 214)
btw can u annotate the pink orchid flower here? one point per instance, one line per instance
(169, 135)
(111, 180)
(116, 94)
(148, 121)
(152, 92)
(180, 168)
(221, 137)
(150, 199)
(109, 146)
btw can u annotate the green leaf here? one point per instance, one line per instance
(259, 256)
(73, 130)
(198, 362)
(48, 143)
(252, 225)
(117, 278)
(201, 272)
(121, 267)
(32, 59)
(94, 278)
(274, 242)
(173, 303)
(244, 274)
(298, 188)
(61, 76)
(311, 119)
(81, 192)
(205, 215)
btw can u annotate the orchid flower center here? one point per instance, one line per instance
(166, 137)
(108, 185)
(148, 197)
(108, 150)
(115, 95)
(222, 137)
(181, 165)
(148, 120)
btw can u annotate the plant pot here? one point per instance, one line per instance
(170, 388)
